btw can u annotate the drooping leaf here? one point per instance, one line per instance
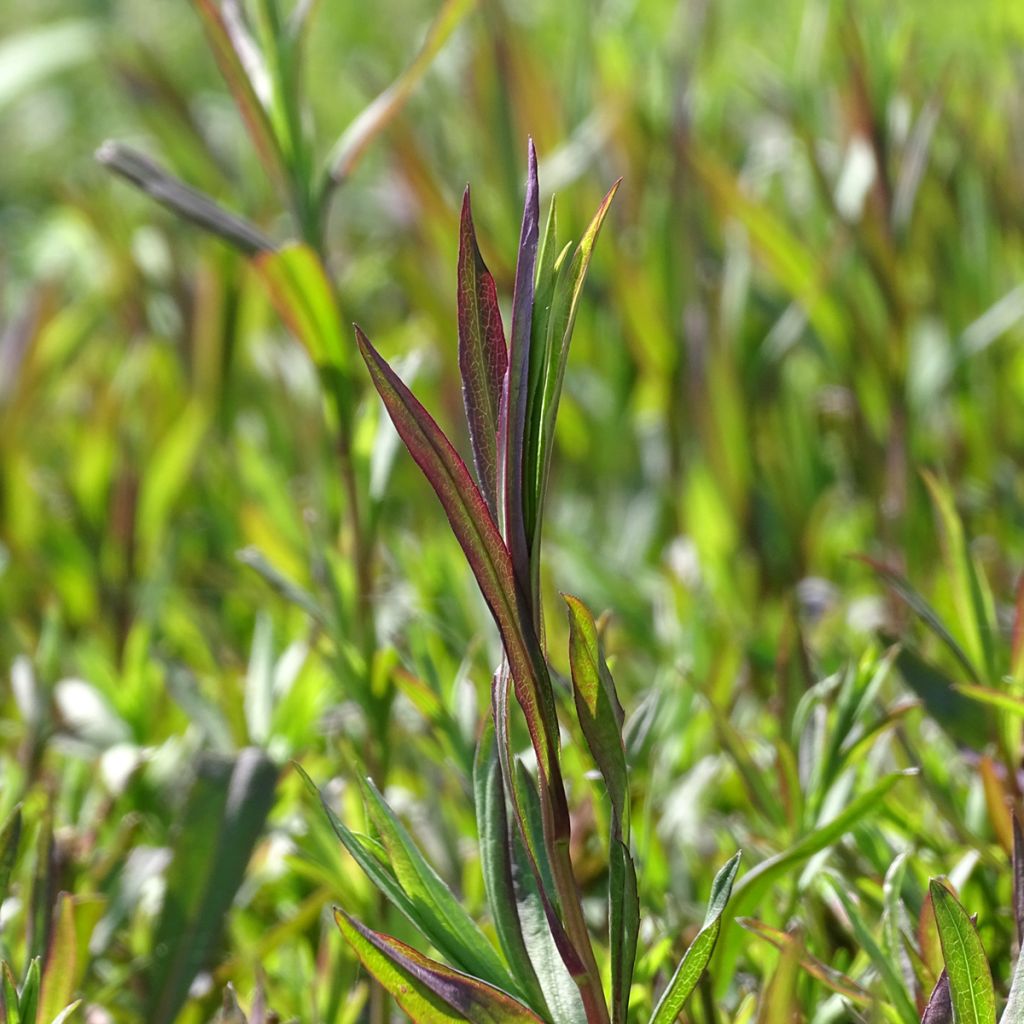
(697, 957)
(221, 823)
(487, 555)
(970, 980)
(483, 356)
(382, 110)
(426, 990)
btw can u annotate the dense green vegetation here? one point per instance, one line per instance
(785, 478)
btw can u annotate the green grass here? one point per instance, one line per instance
(784, 477)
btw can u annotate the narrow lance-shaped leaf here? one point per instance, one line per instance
(601, 717)
(565, 300)
(518, 377)
(497, 863)
(362, 851)
(525, 804)
(254, 114)
(970, 980)
(427, 991)
(58, 978)
(483, 357)
(382, 110)
(697, 957)
(426, 889)
(222, 821)
(183, 200)
(304, 298)
(10, 834)
(487, 555)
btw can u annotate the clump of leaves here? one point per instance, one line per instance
(547, 968)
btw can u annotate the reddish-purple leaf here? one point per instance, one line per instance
(426, 990)
(483, 357)
(518, 376)
(487, 555)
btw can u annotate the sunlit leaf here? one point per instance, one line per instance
(970, 980)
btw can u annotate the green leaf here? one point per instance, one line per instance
(427, 991)
(10, 834)
(58, 978)
(598, 709)
(600, 716)
(497, 861)
(903, 589)
(28, 997)
(182, 200)
(560, 318)
(304, 298)
(970, 980)
(222, 821)
(483, 356)
(697, 957)
(464, 942)
(957, 712)
(254, 114)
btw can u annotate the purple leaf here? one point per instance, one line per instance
(483, 357)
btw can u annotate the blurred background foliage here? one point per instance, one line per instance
(807, 294)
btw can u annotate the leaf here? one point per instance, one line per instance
(956, 712)
(779, 1002)
(828, 976)
(483, 356)
(222, 821)
(970, 980)
(487, 555)
(428, 991)
(697, 957)
(467, 944)
(254, 114)
(600, 716)
(1018, 877)
(940, 1007)
(182, 200)
(598, 709)
(304, 298)
(58, 977)
(382, 111)
(903, 589)
(10, 834)
(517, 386)
(566, 291)
(497, 861)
